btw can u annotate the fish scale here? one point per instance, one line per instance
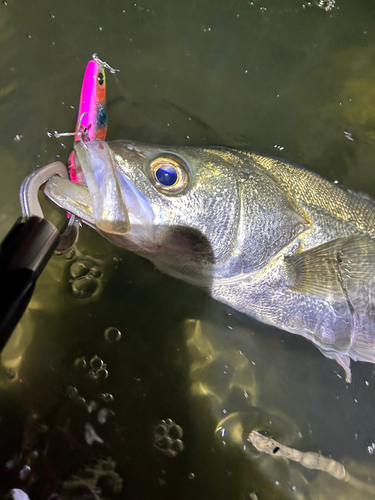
(301, 184)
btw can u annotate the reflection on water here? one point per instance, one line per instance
(120, 382)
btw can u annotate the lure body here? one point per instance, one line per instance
(92, 111)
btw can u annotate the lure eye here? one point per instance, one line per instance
(169, 175)
(100, 78)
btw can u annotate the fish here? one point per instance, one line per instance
(269, 238)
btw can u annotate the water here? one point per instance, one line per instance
(290, 78)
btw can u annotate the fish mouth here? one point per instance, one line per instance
(99, 193)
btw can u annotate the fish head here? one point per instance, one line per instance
(199, 214)
(176, 206)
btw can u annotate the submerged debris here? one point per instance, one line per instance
(308, 459)
(91, 436)
(17, 494)
(91, 478)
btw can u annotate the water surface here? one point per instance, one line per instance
(78, 413)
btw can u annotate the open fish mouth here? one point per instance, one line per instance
(100, 194)
(95, 195)
(100, 174)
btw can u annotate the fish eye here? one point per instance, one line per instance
(100, 78)
(167, 175)
(170, 175)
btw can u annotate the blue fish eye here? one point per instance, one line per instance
(167, 175)
(170, 176)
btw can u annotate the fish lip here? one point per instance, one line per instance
(138, 207)
(109, 209)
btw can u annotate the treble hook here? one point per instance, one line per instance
(81, 130)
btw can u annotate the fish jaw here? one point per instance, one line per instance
(110, 213)
(102, 197)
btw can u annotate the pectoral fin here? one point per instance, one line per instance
(334, 269)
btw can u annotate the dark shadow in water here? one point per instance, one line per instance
(158, 122)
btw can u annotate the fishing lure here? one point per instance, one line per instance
(92, 110)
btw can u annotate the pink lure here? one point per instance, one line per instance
(92, 113)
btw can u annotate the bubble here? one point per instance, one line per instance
(177, 446)
(84, 287)
(112, 334)
(80, 268)
(102, 374)
(164, 443)
(95, 271)
(80, 362)
(167, 437)
(191, 475)
(96, 362)
(161, 430)
(326, 4)
(99, 368)
(69, 254)
(176, 431)
(106, 397)
(86, 274)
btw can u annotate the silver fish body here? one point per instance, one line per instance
(267, 237)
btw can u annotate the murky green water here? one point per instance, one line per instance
(283, 77)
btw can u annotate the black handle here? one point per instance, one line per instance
(24, 254)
